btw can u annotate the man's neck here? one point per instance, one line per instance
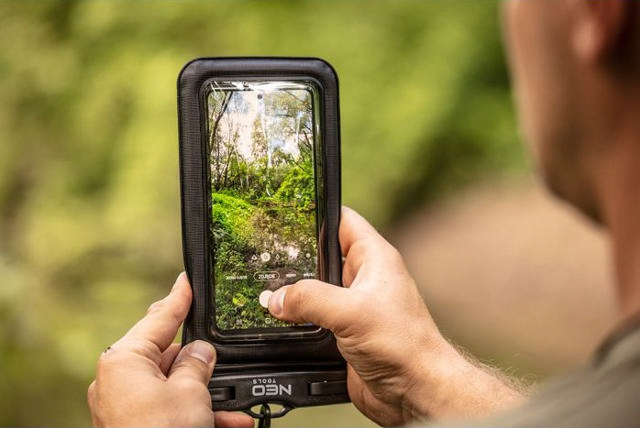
(620, 198)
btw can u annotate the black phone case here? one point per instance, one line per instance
(292, 371)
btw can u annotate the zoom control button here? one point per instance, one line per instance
(266, 276)
(332, 387)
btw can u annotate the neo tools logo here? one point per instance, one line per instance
(268, 387)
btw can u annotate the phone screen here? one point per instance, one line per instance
(263, 229)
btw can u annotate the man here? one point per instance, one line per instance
(576, 70)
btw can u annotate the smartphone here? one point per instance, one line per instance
(262, 140)
(260, 189)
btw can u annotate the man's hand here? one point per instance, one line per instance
(146, 380)
(399, 365)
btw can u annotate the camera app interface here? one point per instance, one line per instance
(263, 195)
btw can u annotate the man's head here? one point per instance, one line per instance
(576, 71)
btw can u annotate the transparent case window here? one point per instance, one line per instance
(262, 140)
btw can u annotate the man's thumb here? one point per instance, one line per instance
(195, 361)
(311, 301)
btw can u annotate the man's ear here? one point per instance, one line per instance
(599, 26)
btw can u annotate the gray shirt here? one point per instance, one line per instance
(604, 394)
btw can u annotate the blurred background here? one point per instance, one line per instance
(89, 197)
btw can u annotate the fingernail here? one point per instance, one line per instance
(202, 350)
(178, 280)
(276, 301)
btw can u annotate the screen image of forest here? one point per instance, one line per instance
(263, 195)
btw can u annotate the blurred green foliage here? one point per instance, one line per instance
(89, 211)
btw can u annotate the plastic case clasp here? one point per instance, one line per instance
(288, 389)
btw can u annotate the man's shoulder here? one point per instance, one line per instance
(589, 398)
(606, 393)
(603, 394)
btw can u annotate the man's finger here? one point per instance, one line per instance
(316, 302)
(163, 318)
(233, 420)
(360, 242)
(91, 394)
(194, 363)
(168, 357)
(354, 227)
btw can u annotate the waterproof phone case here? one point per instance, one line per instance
(260, 188)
